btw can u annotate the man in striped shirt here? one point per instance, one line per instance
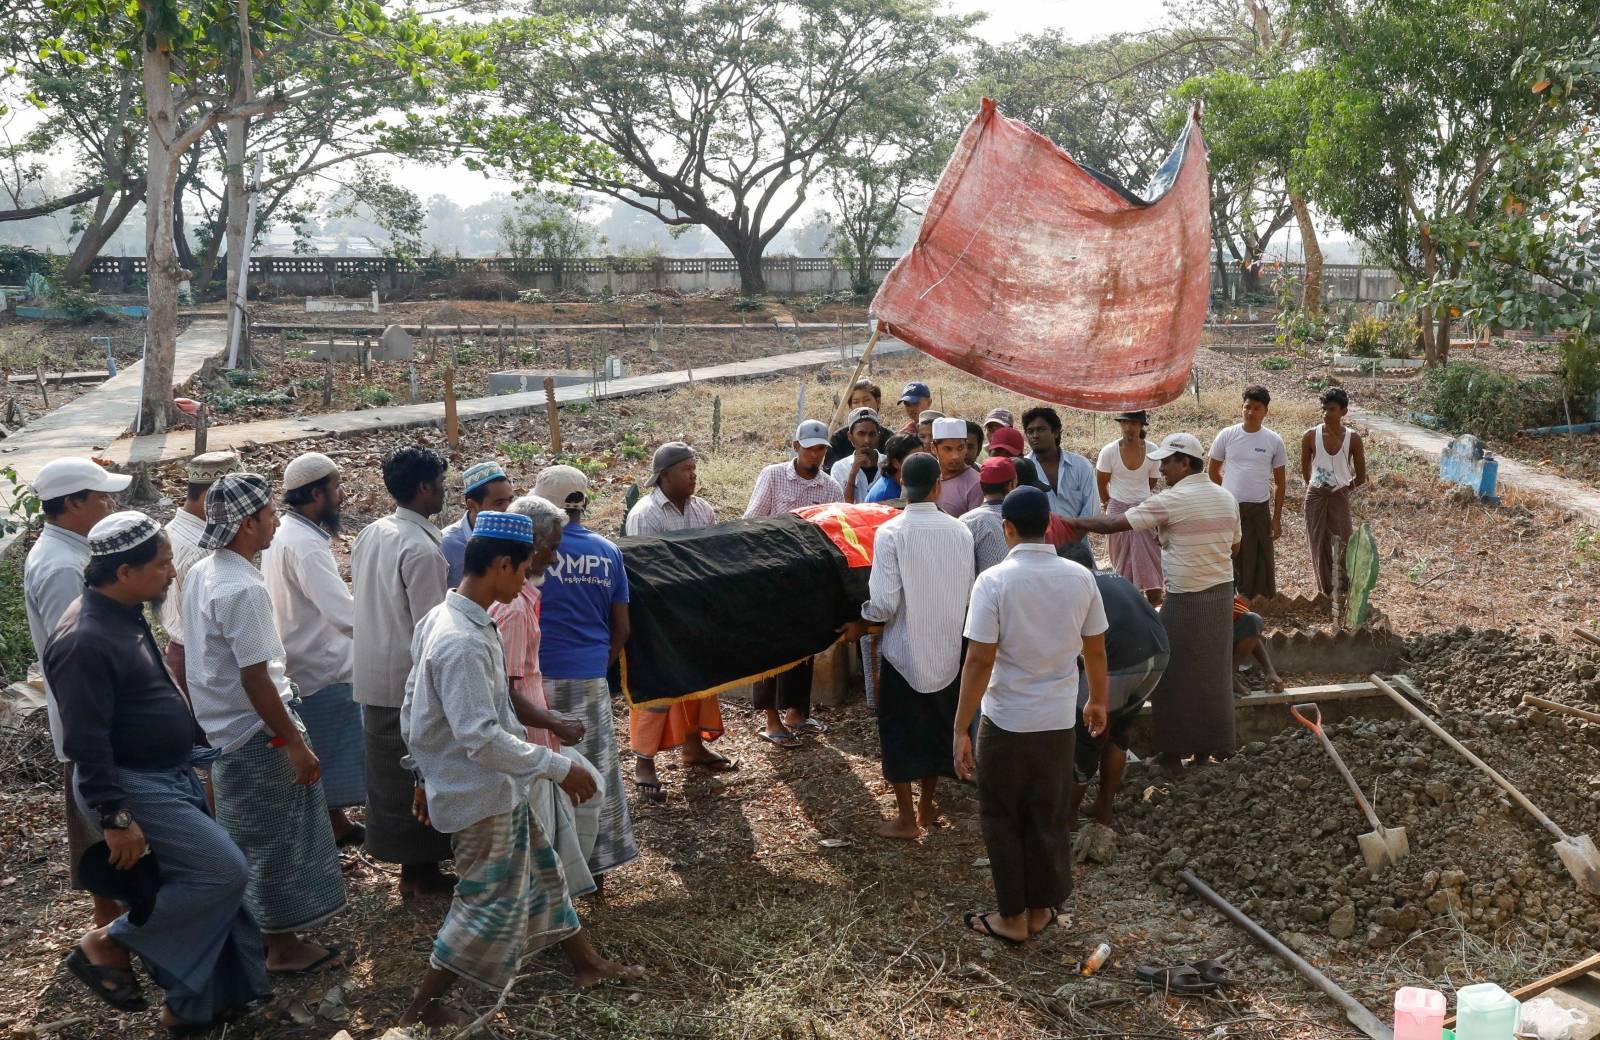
(672, 504)
(1197, 524)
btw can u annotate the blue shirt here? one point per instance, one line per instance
(1075, 491)
(884, 489)
(453, 543)
(582, 582)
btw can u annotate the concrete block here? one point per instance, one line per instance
(522, 380)
(395, 344)
(315, 304)
(1467, 462)
(339, 350)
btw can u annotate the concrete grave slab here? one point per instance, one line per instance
(315, 304)
(395, 344)
(524, 380)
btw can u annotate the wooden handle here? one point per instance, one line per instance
(844, 402)
(1565, 709)
(1505, 785)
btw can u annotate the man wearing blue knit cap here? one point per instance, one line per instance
(474, 764)
(484, 485)
(1029, 618)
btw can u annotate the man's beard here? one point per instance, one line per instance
(160, 599)
(329, 521)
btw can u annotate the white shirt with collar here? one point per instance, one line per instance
(780, 488)
(52, 579)
(922, 569)
(456, 720)
(1197, 524)
(1038, 608)
(655, 514)
(312, 605)
(183, 531)
(227, 617)
(398, 574)
(841, 474)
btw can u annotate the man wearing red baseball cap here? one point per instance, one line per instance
(1006, 442)
(996, 477)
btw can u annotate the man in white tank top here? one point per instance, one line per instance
(1333, 463)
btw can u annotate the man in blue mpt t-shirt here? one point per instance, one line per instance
(583, 621)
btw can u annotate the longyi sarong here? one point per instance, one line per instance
(198, 944)
(557, 816)
(915, 728)
(1255, 564)
(1193, 704)
(283, 830)
(1023, 779)
(661, 729)
(604, 821)
(333, 725)
(81, 829)
(1327, 517)
(1136, 555)
(394, 835)
(511, 899)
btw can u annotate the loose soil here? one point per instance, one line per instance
(26, 344)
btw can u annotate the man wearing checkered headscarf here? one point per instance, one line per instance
(266, 775)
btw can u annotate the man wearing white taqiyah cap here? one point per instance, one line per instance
(484, 485)
(76, 495)
(780, 487)
(959, 488)
(133, 740)
(583, 619)
(265, 775)
(315, 616)
(184, 531)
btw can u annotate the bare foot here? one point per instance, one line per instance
(290, 953)
(929, 815)
(1040, 918)
(601, 970)
(901, 828)
(435, 1014)
(1274, 683)
(1240, 688)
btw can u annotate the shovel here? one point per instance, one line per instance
(1382, 846)
(1578, 855)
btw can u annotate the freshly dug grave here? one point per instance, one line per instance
(1482, 895)
(1465, 669)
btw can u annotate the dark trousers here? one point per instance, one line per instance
(791, 689)
(1255, 568)
(1022, 804)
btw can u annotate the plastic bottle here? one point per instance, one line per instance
(1096, 960)
(1485, 1012)
(1419, 1014)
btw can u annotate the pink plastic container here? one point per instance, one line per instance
(1419, 1014)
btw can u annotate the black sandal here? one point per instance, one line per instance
(1181, 979)
(332, 959)
(1055, 915)
(116, 986)
(650, 791)
(984, 928)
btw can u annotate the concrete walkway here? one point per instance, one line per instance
(1554, 489)
(179, 444)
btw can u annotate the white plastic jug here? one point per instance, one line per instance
(1485, 1012)
(1419, 1014)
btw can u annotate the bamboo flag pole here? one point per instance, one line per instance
(844, 405)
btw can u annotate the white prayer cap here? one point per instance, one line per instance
(307, 469)
(120, 532)
(949, 429)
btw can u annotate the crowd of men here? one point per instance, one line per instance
(456, 688)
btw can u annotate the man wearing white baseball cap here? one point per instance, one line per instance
(959, 489)
(76, 495)
(1197, 523)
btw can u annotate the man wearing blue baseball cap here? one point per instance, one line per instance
(484, 485)
(916, 398)
(1029, 617)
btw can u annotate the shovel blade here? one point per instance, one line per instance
(1582, 861)
(1384, 848)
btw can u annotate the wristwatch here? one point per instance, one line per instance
(120, 820)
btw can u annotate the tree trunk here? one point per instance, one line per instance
(236, 202)
(180, 236)
(1435, 322)
(208, 260)
(98, 233)
(752, 282)
(1222, 263)
(161, 165)
(1311, 288)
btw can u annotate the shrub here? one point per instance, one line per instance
(631, 447)
(746, 303)
(532, 296)
(522, 452)
(1468, 398)
(1579, 373)
(1364, 336)
(242, 377)
(1296, 328)
(376, 396)
(1276, 363)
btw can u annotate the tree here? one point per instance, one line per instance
(1415, 108)
(723, 112)
(548, 226)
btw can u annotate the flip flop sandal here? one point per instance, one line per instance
(334, 958)
(809, 726)
(1214, 972)
(984, 928)
(715, 765)
(116, 986)
(1181, 979)
(786, 740)
(650, 790)
(1055, 916)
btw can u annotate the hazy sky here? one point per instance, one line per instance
(1079, 19)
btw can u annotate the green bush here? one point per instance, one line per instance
(238, 377)
(746, 303)
(1276, 363)
(1296, 328)
(631, 447)
(1579, 372)
(376, 396)
(1468, 398)
(522, 452)
(1364, 336)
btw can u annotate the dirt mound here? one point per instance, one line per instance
(1466, 669)
(1482, 894)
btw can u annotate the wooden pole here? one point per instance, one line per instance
(1565, 709)
(201, 419)
(452, 426)
(716, 423)
(38, 374)
(327, 378)
(412, 383)
(838, 413)
(552, 414)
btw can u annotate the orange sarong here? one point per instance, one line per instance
(662, 729)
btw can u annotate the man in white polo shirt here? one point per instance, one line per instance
(1250, 461)
(1029, 618)
(1197, 524)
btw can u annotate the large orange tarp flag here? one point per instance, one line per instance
(1047, 278)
